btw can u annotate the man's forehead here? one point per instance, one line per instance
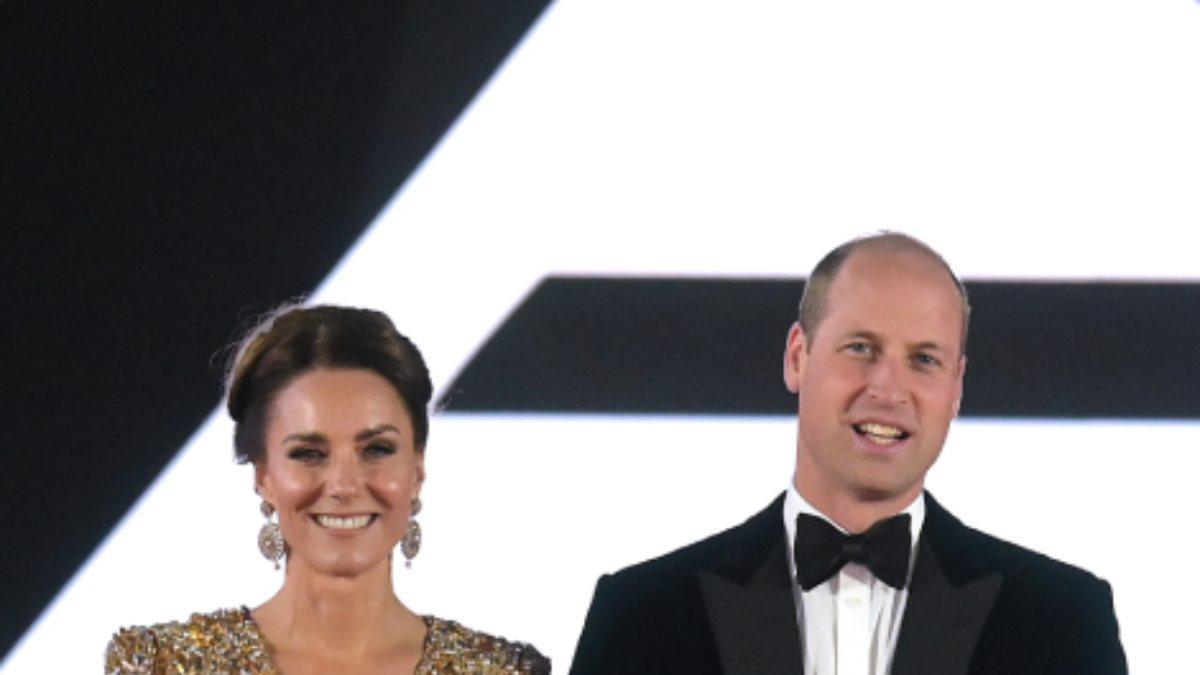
(890, 258)
(905, 280)
(896, 295)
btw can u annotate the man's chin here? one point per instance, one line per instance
(881, 491)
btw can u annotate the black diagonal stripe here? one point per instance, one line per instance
(715, 346)
(166, 170)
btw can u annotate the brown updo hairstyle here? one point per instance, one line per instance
(294, 340)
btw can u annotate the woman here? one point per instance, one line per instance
(329, 405)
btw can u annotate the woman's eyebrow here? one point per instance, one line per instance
(312, 437)
(317, 437)
(375, 431)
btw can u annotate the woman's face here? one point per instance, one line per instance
(341, 469)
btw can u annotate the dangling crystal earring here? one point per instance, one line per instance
(270, 537)
(410, 545)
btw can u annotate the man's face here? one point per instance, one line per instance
(879, 381)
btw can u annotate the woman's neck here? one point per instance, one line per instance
(341, 618)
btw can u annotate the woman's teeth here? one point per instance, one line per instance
(347, 523)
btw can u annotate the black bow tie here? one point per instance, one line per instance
(821, 550)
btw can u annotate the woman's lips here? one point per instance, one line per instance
(358, 522)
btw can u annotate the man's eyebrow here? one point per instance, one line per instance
(929, 345)
(924, 345)
(864, 334)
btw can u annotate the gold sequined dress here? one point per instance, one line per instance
(229, 641)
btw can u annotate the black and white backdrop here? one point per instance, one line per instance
(593, 218)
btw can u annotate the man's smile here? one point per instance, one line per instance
(880, 433)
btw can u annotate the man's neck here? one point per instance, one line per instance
(853, 513)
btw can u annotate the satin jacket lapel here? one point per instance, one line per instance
(748, 597)
(948, 604)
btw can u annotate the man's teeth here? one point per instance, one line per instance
(349, 523)
(881, 434)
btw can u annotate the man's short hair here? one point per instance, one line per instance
(814, 303)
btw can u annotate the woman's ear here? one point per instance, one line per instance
(263, 484)
(418, 474)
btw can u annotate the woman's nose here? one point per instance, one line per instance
(344, 477)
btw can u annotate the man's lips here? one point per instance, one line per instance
(880, 433)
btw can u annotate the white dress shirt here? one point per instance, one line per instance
(850, 622)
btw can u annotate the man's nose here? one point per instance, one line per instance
(885, 382)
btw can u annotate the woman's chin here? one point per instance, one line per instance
(346, 566)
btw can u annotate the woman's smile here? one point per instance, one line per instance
(331, 522)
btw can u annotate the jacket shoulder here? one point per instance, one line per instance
(969, 552)
(1053, 585)
(666, 588)
(1048, 614)
(651, 617)
(732, 551)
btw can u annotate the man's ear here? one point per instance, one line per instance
(795, 358)
(962, 370)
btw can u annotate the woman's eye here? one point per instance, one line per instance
(306, 454)
(380, 450)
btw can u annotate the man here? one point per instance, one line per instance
(855, 570)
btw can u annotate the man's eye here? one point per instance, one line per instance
(858, 348)
(927, 360)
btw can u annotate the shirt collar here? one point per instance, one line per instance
(794, 505)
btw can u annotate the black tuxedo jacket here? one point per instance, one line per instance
(977, 605)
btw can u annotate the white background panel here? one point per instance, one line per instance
(1048, 139)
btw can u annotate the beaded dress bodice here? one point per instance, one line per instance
(229, 641)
